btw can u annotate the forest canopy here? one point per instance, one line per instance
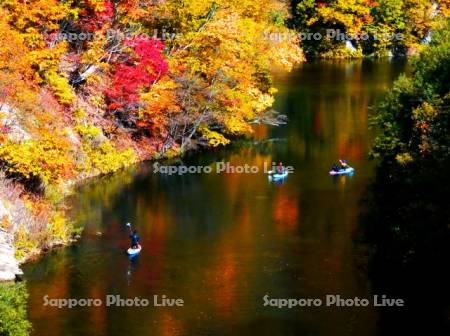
(370, 28)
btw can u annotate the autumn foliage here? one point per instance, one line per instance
(142, 67)
(88, 87)
(95, 14)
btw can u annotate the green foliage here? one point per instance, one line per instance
(278, 18)
(413, 118)
(389, 115)
(13, 315)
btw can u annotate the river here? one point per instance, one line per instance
(221, 242)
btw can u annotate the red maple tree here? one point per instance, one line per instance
(142, 68)
(92, 19)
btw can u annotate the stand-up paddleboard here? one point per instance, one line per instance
(346, 171)
(134, 251)
(274, 176)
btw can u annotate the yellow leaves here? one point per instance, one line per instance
(47, 158)
(30, 25)
(229, 57)
(261, 101)
(79, 114)
(349, 13)
(425, 113)
(258, 11)
(404, 158)
(95, 50)
(99, 155)
(214, 139)
(58, 228)
(97, 5)
(60, 87)
(32, 18)
(46, 59)
(188, 14)
(88, 132)
(235, 125)
(170, 154)
(105, 158)
(22, 243)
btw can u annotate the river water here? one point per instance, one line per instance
(221, 242)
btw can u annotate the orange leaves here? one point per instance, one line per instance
(114, 106)
(160, 104)
(13, 52)
(135, 10)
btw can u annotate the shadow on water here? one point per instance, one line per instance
(407, 228)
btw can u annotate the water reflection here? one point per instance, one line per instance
(222, 242)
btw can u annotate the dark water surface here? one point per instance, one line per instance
(221, 242)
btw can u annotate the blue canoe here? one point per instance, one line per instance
(132, 252)
(346, 171)
(277, 176)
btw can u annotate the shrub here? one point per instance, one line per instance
(214, 139)
(47, 159)
(13, 316)
(100, 155)
(60, 87)
(414, 116)
(23, 243)
(59, 229)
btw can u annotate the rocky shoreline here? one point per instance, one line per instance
(9, 265)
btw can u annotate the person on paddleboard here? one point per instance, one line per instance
(280, 168)
(335, 168)
(343, 163)
(134, 236)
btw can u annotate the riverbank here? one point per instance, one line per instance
(71, 110)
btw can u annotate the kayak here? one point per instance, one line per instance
(346, 171)
(134, 251)
(277, 176)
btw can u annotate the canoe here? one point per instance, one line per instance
(134, 251)
(346, 171)
(277, 176)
